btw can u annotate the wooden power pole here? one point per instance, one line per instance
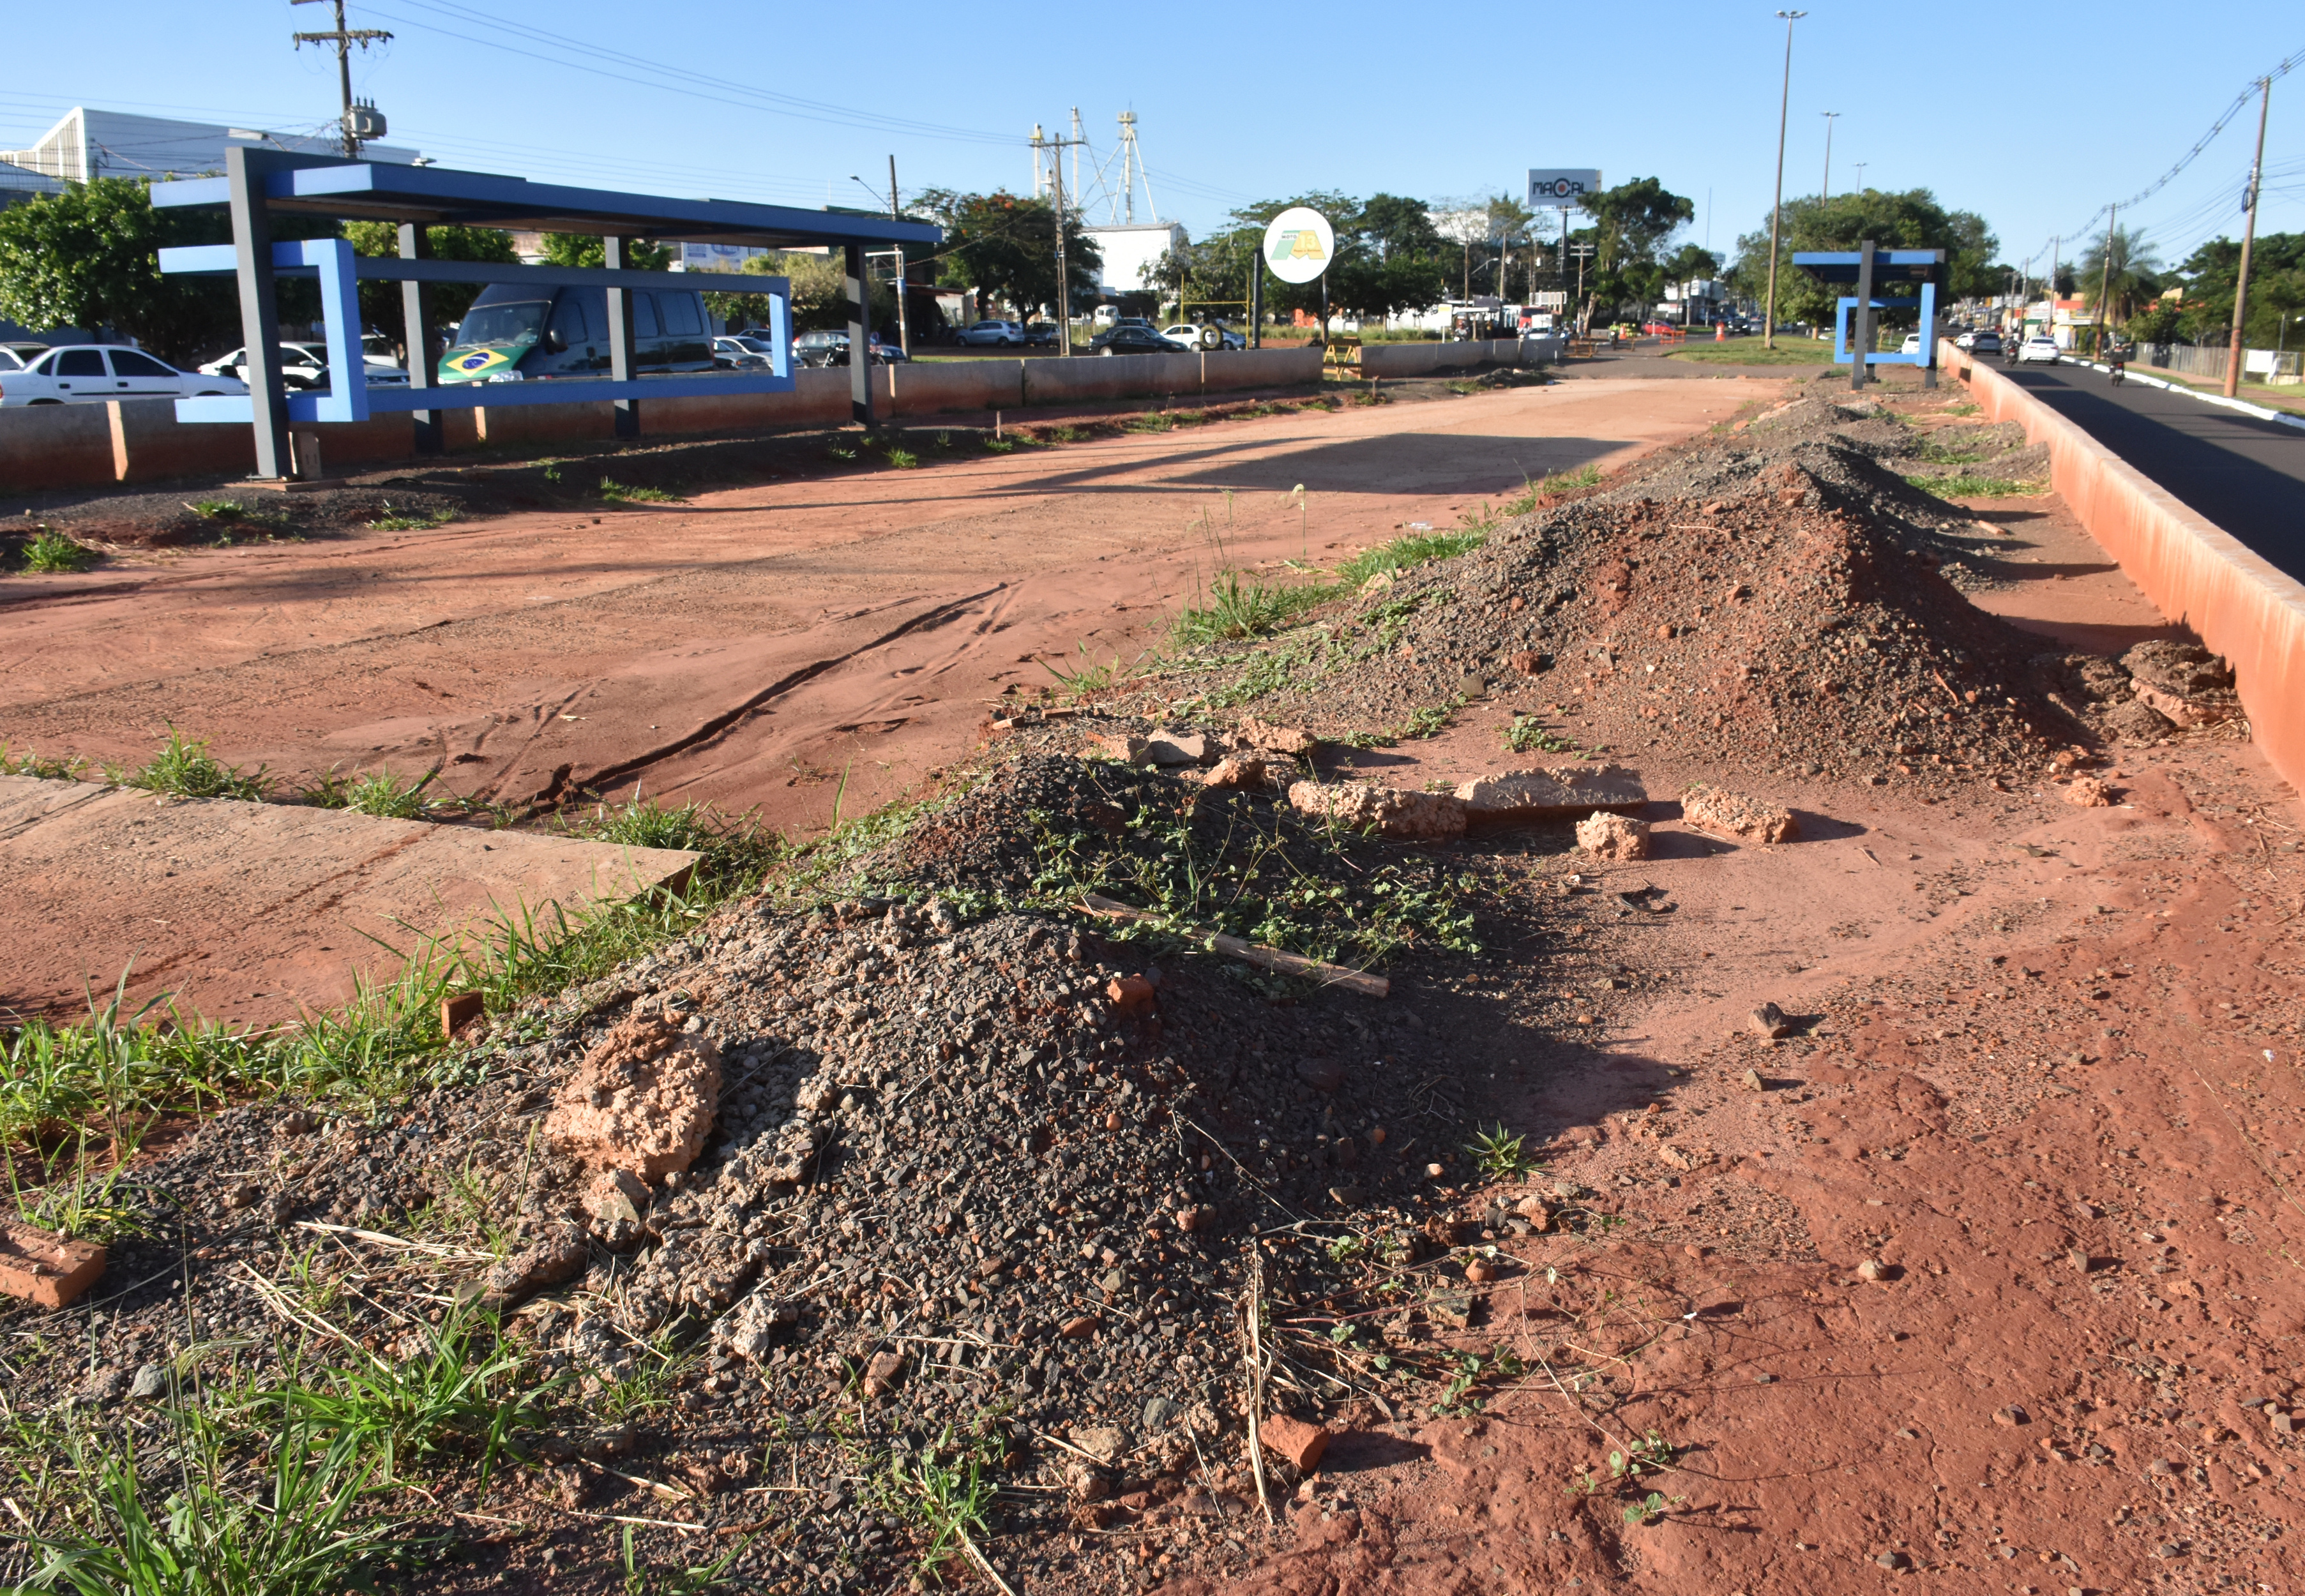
(343, 38)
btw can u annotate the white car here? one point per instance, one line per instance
(1196, 334)
(304, 367)
(2040, 348)
(91, 373)
(1911, 345)
(742, 354)
(1006, 334)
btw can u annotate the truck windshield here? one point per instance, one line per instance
(517, 323)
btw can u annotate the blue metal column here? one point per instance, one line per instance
(620, 339)
(416, 310)
(259, 311)
(860, 316)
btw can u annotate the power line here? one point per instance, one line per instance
(2240, 102)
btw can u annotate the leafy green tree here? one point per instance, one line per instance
(2121, 264)
(1390, 259)
(583, 249)
(89, 258)
(1912, 219)
(820, 294)
(1005, 248)
(380, 301)
(2276, 289)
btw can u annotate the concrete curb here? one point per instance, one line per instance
(2199, 573)
(2262, 413)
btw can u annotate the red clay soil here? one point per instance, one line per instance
(1986, 1278)
(754, 645)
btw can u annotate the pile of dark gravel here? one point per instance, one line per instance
(955, 1191)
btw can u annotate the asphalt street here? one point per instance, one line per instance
(2246, 475)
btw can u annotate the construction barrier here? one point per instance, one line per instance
(2197, 573)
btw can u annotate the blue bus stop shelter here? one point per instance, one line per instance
(1867, 269)
(258, 184)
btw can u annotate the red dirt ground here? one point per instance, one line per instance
(2047, 1077)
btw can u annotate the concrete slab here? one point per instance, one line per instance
(253, 913)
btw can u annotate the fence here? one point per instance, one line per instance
(2208, 362)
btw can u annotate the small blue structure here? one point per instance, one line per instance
(1868, 267)
(259, 182)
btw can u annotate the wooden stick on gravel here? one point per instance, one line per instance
(984, 1563)
(1250, 952)
(1256, 1378)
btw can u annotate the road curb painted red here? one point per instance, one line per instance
(2199, 573)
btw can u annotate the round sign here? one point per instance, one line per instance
(1300, 244)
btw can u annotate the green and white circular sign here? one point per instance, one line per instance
(1300, 244)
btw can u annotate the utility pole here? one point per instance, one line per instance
(1056, 147)
(1861, 166)
(1776, 207)
(2248, 242)
(1830, 118)
(345, 38)
(2050, 295)
(2105, 282)
(904, 325)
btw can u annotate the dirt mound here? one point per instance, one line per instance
(133, 520)
(995, 1181)
(1778, 599)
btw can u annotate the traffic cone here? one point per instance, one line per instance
(1720, 332)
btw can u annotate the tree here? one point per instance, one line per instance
(2131, 276)
(89, 258)
(583, 249)
(2276, 288)
(1631, 222)
(380, 303)
(818, 285)
(1911, 220)
(1004, 246)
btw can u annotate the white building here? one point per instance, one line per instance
(88, 144)
(1128, 250)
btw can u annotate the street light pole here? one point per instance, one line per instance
(1830, 117)
(1777, 207)
(2248, 242)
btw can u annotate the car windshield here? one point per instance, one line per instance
(521, 322)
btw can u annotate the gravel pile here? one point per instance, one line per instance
(982, 1184)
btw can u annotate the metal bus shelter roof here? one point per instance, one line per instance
(260, 182)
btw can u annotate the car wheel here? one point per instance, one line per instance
(1210, 338)
(1106, 350)
(210, 393)
(45, 401)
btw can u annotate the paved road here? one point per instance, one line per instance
(2246, 475)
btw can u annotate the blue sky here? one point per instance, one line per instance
(1994, 109)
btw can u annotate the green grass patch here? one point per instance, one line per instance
(615, 493)
(381, 793)
(393, 521)
(1402, 554)
(1238, 606)
(903, 460)
(185, 767)
(52, 554)
(999, 445)
(1749, 352)
(1066, 433)
(1527, 735)
(72, 767)
(1969, 486)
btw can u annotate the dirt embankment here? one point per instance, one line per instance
(1967, 1256)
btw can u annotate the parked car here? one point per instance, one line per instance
(1911, 345)
(1983, 341)
(305, 367)
(2040, 349)
(1008, 335)
(513, 332)
(759, 343)
(1039, 334)
(1131, 338)
(737, 355)
(90, 373)
(10, 360)
(26, 350)
(818, 348)
(1205, 335)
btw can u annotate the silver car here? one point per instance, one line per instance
(92, 373)
(1009, 334)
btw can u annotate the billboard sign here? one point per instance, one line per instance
(1562, 187)
(1300, 244)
